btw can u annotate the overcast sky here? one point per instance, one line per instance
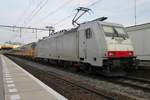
(41, 13)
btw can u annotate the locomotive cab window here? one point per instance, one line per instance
(108, 29)
(113, 31)
(121, 32)
(88, 33)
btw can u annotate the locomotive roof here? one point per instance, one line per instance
(104, 23)
(110, 23)
(67, 31)
(59, 33)
(29, 44)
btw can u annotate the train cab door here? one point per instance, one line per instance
(82, 46)
(84, 36)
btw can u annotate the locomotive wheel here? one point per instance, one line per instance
(108, 69)
(89, 69)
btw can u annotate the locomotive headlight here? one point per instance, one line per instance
(131, 53)
(111, 54)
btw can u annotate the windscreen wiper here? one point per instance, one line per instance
(118, 34)
(123, 36)
(115, 33)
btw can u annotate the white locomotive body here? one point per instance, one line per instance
(62, 47)
(95, 43)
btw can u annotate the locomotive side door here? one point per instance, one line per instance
(82, 45)
(85, 36)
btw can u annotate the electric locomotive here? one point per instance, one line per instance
(93, 46)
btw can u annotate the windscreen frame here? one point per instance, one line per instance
(115, 33)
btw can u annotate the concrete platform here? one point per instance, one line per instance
(18, 84)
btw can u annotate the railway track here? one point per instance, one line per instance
(129, 81)
(69, 88)
(134, 82)
(74, 89)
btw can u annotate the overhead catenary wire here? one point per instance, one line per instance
(19, 27)
(17, 30)
(56, 10)
(66, 18)
(62, 20)
(35, 12)
(15, 35)
(94, 3)
(37, 6)
(22, 16)
(21, 30)
(41, 7)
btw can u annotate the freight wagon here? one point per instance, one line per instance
(140, 36)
